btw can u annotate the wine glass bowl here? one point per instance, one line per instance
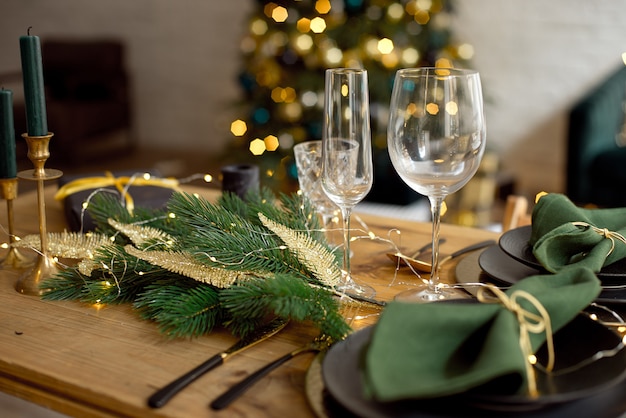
(436, 138)
(347, 167)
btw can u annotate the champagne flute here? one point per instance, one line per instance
(347, 154)
(436, 138)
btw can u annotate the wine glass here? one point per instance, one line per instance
(308, 157)
(347, 154)
(436, 139)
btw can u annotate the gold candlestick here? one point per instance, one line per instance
(14, 258)
(46, 267)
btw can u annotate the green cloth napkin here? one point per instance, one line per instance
(438, 349)
(557, 243)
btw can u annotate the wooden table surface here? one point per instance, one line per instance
(90, 362)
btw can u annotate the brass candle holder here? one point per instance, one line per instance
(45, 267)
(14, 259)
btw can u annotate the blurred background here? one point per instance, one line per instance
(191, 69)
(188, 86)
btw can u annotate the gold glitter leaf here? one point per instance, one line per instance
(185, 264)
(311, 253)
(140, 235)
(86, 266)
(66, 244)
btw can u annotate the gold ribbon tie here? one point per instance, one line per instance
(529, 322)
(612, 235)
(122, 184)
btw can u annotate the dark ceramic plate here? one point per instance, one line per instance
(505, 270)
(515, 244)
(594, 390)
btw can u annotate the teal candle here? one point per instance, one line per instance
(34, 95)
(8, 166)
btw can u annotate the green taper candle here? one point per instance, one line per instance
(34, 94)
(8, 166)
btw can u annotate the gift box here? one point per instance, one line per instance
(146, 196)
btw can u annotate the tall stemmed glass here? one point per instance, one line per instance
(347, 154)
(436, 139)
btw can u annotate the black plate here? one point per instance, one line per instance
(505, 270)
(595, 390)
(515, 244)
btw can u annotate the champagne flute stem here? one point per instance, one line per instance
(435, 208)
(346, 213)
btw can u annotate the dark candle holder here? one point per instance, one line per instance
(45, 267)
(14, 258)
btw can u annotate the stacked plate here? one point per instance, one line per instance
(578, 388)
(512, 260)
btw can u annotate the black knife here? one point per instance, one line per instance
(163, 395)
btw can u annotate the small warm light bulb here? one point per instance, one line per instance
(594, 317)
(318, 25)
(208, 178)
(171, 215)
(238, 127)
(432, 108)
(85, 205)
(452, 108)
(257, 146)
(4, 245)
(385, 46)
(371, 235)
(146, 176)
(532, 359)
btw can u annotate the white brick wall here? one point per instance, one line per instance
(536, 58)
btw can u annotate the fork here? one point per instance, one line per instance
(226, 398)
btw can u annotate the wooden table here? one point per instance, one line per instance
(106, 362)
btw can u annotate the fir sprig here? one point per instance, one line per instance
(287, 298)
(198, 265)
(181, 308)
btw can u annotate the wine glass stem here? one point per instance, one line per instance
(345, 215)
(435, 208)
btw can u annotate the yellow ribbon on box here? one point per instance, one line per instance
(121, 184)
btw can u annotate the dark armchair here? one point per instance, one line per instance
(596, 155)
(87, 98)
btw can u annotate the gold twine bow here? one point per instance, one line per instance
(612, 235)
(121, 183)
(528, 322)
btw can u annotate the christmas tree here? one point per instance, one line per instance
(288, 46)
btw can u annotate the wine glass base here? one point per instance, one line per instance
(353, 288)
(424, 294)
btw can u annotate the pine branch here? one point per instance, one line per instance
(224, 239)
(183, 308)
(286, 297)
(118, 278)
(105, 206)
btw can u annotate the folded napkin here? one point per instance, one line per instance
(564, 235)
(438, 349)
